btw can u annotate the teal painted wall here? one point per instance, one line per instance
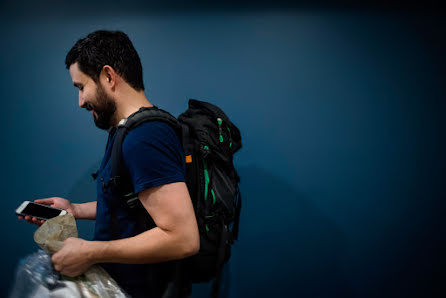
(342, 119)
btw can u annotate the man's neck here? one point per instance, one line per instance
(129, 103)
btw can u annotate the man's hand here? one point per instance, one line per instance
(74, 258)
(55, 202)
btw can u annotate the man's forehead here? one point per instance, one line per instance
(76, 74)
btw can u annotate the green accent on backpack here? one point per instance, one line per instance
(206, 180)
(220, 121)
(229, 130)
(213, 196)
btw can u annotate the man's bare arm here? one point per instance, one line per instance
(175, 236)
(85, 210)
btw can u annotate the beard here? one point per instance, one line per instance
(104, 108)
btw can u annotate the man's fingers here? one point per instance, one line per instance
(37, 221)
(47, 201)
(32, 220)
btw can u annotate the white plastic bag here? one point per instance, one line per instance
(35, 276)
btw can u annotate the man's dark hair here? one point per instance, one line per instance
(112, 48)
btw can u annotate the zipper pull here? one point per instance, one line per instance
(220, 121)
(205, 150)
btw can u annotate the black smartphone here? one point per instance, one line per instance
(39, 211)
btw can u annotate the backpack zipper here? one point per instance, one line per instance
(220, 133)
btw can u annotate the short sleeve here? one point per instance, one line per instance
(153, 156)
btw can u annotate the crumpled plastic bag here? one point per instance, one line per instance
(36, 277)
(51, 235)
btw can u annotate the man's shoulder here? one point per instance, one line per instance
(149, 133)
(150, 128)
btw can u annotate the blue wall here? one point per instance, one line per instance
(342, 119)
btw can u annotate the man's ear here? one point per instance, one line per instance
(108, 76)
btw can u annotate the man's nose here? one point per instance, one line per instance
(81, 101)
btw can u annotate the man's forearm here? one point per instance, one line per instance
(153, 246)
(85, 210)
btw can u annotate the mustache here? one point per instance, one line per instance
(89, 106)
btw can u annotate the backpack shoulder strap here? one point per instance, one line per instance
(119, 175)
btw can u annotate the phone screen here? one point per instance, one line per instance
(37, 210)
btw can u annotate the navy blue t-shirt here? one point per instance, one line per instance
(153, 156)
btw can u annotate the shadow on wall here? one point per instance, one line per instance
(286, 247)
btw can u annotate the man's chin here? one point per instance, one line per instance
(100, 123)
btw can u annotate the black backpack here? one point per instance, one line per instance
(209, 141)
